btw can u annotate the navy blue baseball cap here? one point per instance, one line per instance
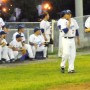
(21, 26)
(18, 36)
(36, 29)
(68, 12)
(2, 32)
(62, 13)
(6, 26)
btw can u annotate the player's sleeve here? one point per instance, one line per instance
(12, 43)
(87, 23)
(58, 24)
(64, 27)
(77, 32)
(2, 22)
(14, 37)
(76, 24)
(42, 26)
(31, 38)
(4, 41)
(23, 37)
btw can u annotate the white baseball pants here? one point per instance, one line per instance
(69, 53)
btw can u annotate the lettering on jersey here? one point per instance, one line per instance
(71, 27)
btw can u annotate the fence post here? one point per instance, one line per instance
(52, 46)
(27, 36)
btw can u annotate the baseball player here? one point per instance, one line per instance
(70, 29)
(62, 18)
(45, 25)
(4, 49)
(1, 23)
(17, 47)
(27, 46)
(87, 25)
(38, 42)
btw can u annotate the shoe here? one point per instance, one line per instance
(7, 62)
(1, 62)
(12, 60)
(44, 58)
(62, 70)
(72, 71)
(31, 59)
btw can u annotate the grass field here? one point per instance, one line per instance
(43, 75)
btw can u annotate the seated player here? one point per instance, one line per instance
(5, 55)
(38, 42)
(17, 47)
(27, 46)
(87, 25)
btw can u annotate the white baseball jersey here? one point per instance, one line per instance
(4, 41)
(46, 26)
(60, 21)
(1, 23)
(87, 23)
(16, 44)
(36, 39)
(73, 27)
(22, 34)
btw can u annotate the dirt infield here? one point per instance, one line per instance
(85, 86)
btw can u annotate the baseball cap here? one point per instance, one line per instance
(18, 36)
(2, 32)
(6, 26)
(68, 12)
(36, 29)
(62, 13)
(20, 26)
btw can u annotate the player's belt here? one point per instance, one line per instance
(69, 37)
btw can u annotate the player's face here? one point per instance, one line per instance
(38, 32)
(22, 30)
(6, 30)
(20, 39)
(67, 16)
(3, 36)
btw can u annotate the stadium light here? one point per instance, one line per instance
(46, 6)
(11, 5)
(4, 1)
(4, 9)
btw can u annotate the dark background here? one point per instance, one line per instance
(30, 12)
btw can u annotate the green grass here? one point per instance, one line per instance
(42, 75)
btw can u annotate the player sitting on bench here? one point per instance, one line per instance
(38, 44)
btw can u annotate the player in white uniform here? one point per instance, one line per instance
(87, 25)
(70, 29)
(27, 46)
(45, 25)
(1, 23)
(37, 42)
(17, 47)
(5, 55)
(62, 18)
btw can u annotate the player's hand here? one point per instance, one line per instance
(46, 39)
(35, 46)
(24, 51)
(87, 30)
(42, 44)
(11, 47)
(69, 22)
(78, 42)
